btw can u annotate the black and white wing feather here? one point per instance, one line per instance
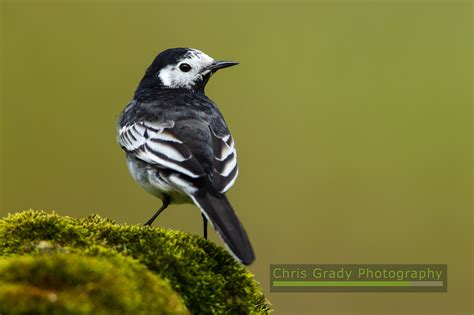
(225, 168)
(156, 144)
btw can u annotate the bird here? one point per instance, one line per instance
(178, 146)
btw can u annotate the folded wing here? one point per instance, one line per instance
(156, 144)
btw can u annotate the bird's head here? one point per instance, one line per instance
(182, 68)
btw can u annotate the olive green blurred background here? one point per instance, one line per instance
(352, 121)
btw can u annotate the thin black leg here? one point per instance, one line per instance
(204, 220)
(166, 203)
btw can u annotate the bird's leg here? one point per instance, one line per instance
(166, 203)
(204, 220)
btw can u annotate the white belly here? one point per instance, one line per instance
(149, 178)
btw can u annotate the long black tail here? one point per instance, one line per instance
(219, 211)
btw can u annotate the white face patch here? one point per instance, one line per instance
(171, 76)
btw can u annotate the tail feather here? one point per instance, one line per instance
(219, 211)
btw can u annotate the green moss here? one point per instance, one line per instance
(60, 283)
(206, 277)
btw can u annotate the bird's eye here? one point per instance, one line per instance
(184, 67)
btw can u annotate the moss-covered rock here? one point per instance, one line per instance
(205, 276)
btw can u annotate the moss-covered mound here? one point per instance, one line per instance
(47, 259)
(62, 283)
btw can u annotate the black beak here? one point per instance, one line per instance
(221, 64)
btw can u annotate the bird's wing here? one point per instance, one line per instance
(160, 144)
(225, 169)
(157, 144)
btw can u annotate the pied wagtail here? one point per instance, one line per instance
(178, 146)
